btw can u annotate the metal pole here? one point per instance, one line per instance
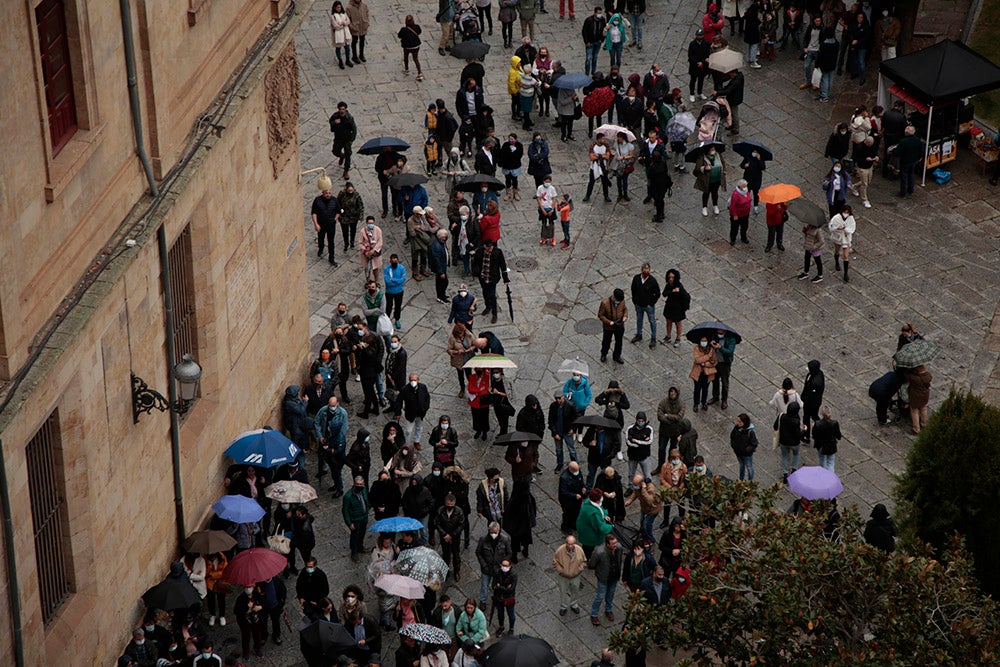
(13, 592)
(133, 95)
(927, 142)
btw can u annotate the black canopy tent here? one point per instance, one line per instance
(943, 73)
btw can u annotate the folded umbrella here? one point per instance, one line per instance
(406, 180)
(425, 633)
(470, 50)
(290, 491)
(572, 81)
(747, 147)
(917, 353)
(238, 509)
(378, 144)
(597, 420)
(779, 193)
(208, 542)
(610, 132)
(323, 642)
(699, 148)
(510, 302)
(395, 524)
(253, 565)
(520, 651)
(725, 61)
(489, 361)
(815, 483)
(262, 447)
(516, 436)
(473, 182)
(422, 564)
(709, 329)
(808, 212)
(401, 585)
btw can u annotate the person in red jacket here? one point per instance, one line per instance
(775, 216)
(712, 22)
(740, 204)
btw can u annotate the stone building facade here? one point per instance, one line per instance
(82, 305)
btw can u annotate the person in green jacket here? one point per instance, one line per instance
(593, 523)
(471, 624)
(355, 510)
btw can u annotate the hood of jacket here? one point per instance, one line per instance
(792, 409)
(292, 391)
(530, 401)
(813, 366)
(641, 416)
(684, 425)
(880, 513)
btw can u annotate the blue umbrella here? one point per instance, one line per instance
(375, 146)
(395, 524)
(572, 81)
(263, 448)
(238, 509)
(709, 329)
(747, 147)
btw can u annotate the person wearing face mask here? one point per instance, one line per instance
(444, 441)
(324, 214)
(702, 371)
(538, 159)
(394, 276)
(835, 185)
(363, 628)
(698, 52)
(600, 156)
(492, 548)
(413, 402)
(502, 407)
(248, 609)
(637, 567)
(492, 496)
(593, 38)
(740, 204)
(370, 249)
(842, 226)
(206, 656)
(395, 368)
(351, 208)
(359, 459)
(355, 509)
(613, 314)
(572, 493)
(710, 177)
(887, 31)
(630, 109)
(142, 651)
(157, 634)
(639, 440)
(461, 342)
(504, 596)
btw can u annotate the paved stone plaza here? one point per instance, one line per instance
(930, 259)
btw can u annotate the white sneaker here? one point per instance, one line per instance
(854, 191)
(703, 96)
(357, 378)
(868, 204)
(704, 211)
(222, 620)
(211, 621)
(756, 210)
(691, 98)
(755, 65)
(715, 210)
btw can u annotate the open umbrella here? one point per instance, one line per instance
(780, 193)
(238, 509)
(253, 565)
(401, 585)
(290, 491)
(423, 564)
(747, 147)
(406, 180)
(489, 361)
(510, 303)
(395, 524)
(519, 651)
(610, 132)
(598, 420)
(576, 365)
(175, 592)
(470, 50)
(516, 436)
(709, 329)
(262, 447)
(473, 182)
(572, 81)
(808, 212)
(917, 353)
(378, 144)
(425, 633)
(725, 61)
(208, 542)
(684, 120)
(322, 642)
(815, 483)
(699, 148)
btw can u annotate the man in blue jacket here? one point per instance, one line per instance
(395, 278)
(331, 433)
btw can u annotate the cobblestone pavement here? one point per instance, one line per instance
(930, 259)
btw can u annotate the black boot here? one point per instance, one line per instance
(847, 265)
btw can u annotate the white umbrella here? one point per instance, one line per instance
(610, 132)
(725, 61)
(576, 365)
(489, 361)
(290, 491)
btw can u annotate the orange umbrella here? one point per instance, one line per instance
(780, 193)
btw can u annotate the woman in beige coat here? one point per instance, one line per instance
(357, 11)
(461, 348)
(702, 372)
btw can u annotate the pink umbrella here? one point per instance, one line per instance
(253, 565)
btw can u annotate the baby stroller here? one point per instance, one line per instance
(467, 25)
(711, 117)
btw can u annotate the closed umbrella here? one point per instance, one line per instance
(779, 193)
(808, 213)
(406, 180)
(572, 81)
(520, 651)
(401, 585)
(238, 509)
(425, 633)
(725, 61)
(253, 565)
(290, 491)
(489, 361)
(470, 50)
(262, 447)
(322, 642)
(747, 147)
(699, 148)
(208, 542)
(709, 329)
(917, 353)
(473, 182)
(378, 144)
(422, 564)
(395, 524)
(815, 483)
(610, 132)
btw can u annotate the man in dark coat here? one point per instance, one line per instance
(882, 390)
(312, 584)
(893, 127)
(645, 294)
(297, 423)
(531, 419)
(812, 396)
(449, 523)
(732, 90)
(562, 414)
(698, 52)
(413, 402)
(490, 267)
(345, 131)
(486, 161)
(324, 217)
(655, 589)
(572, 490)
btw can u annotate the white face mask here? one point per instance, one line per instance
(504, 569)
(703, 343)
(484, 189)
(494, 536)
(699, 468)
(836, 170)
(248, 591)
(405, 452)
(413, 383)
(464, 218)
(463, 293)
(394, 345)
(444, 427)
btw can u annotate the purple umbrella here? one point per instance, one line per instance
(815, 483)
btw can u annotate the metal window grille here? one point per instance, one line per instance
(47, 490)
(181, 263)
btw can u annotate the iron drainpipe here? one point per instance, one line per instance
(161, 242)
(13, 593)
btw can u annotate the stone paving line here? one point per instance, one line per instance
(946, 287)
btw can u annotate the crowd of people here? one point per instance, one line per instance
(418, 471)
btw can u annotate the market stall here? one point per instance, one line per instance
(935, 81)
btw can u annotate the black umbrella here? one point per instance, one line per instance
(406, 180)
(470, 50)
(510, 303)
(322, 642)
(746, 149)
(171, 594)
(808, 212)
(516, 436)
(597, 420)
(696, 151)
(520, 651)
(378, 144)
(709, 329)
(473, 182)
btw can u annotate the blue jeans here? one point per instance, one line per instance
(701, 390)
(592, 470)
(606, 592)
(825, 85)
(590, 59)
(565, 228)
(650, 312)
(646, 525)
(616, 53)
(752, 52)
(786, 453)
(570, 445)
(746, 468)
(810, 63)
(827, 461)
(510, 616)
(861, 56)
(484, 589)
(637, 21)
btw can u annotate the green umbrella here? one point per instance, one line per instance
(917, 353)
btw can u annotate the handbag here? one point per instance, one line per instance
(629, 168)
(505, 408)
(509, 602)
(279, 543)
(577, 111)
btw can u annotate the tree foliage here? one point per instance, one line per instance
(770, 588)
(950, 484)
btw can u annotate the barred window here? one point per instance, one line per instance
(181, 263)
